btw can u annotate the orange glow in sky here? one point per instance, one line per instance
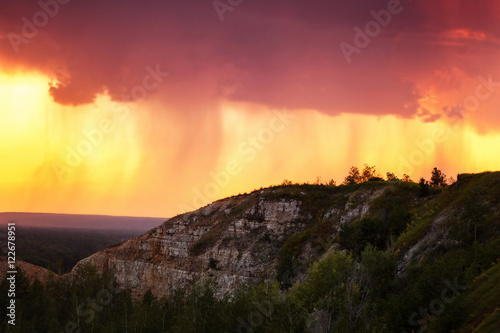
(176, 106)
(98, 159)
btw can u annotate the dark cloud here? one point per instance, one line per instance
(274, 53)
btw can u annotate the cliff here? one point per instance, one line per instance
(276, 233)
(233, 239)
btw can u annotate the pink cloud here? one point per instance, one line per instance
(279, 53)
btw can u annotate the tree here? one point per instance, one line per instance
(438, 178)
(148, 298)
(286, 182)
(332, 182)
(356, 235)
(424, 187)
(473, 215)
(407, 178)
(354, 176)
(368, 172)
(391, 176)
(380, 267)
(336, 291)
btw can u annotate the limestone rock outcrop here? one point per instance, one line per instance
(230, 240)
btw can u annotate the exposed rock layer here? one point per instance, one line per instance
(231, 240)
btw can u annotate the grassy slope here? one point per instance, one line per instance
(483, 302)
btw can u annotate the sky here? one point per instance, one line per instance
(154, 108)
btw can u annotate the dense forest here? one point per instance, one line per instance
(361, 287)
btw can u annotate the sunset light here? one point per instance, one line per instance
(113, 123)
(250, 166)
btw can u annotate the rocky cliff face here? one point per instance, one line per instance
(234, 239)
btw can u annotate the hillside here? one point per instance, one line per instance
(238, 238)
(275, 234)
(379, 256)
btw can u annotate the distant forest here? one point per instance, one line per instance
(60, 249)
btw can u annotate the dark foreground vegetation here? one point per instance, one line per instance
(365, 286)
